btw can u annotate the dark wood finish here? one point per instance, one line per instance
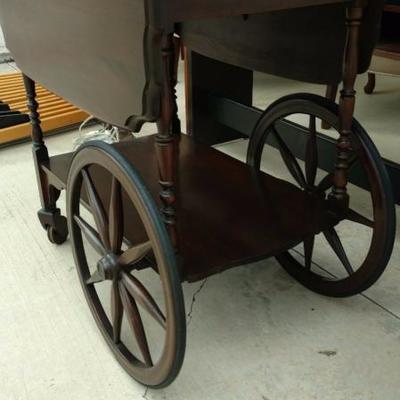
(123, 89)
(216, 192)
(393, 8)
(166, 139)
(346, 106)
(49, 215)
(219, 212)
(331, 94)
(40, 153)
(389, 50)
(364, 160)
(370, 86)
(180, 11)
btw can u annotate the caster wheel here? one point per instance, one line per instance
(126, 265)
(370, 86)
(59, 234)
(361, 237)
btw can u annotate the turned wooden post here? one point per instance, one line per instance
(168, 137)
(39, 150)
(49, 215)
(331, 93)
(339, 195)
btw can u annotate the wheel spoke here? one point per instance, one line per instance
(97, 277)
(143, 297)
(290, 160)
(358, 218)
(325, 184)
(117, 311)
(136, 324)
(311, 153)
(91, 235)
(308, 251)
(134, 254)
(116, 217)
(333, 239)
(97, 208)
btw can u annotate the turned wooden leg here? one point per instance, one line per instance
(49, 214)
(331, 93)
(40, 154)
(370, 86)
(167, 139)
(339, 196)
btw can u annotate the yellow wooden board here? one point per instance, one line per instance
(55, 112)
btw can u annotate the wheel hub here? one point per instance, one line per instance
(108, 266)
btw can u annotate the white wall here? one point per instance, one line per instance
(1, 38)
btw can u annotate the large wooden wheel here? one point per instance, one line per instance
(369, 222)
(107, 262)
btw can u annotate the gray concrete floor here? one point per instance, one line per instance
(8, 67)
(255, 334)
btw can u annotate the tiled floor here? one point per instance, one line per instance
(255, 333)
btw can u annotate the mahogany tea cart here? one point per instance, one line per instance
(117, 61)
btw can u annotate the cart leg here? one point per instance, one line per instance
(167, 139)
(49, 215)
(331, 93)
(339, 196)
(370, 86)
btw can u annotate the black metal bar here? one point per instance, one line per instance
(4, 106)
(243, 118)
(212, 76)
(12, 118)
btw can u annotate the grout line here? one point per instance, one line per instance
(370, 299)
(380, 306)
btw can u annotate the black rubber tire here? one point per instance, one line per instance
(112, 160)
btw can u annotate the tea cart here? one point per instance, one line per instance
(117, 60)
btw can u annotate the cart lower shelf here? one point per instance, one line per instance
(227, 215)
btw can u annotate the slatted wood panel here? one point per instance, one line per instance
(55, 113)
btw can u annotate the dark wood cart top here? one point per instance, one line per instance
(178, 10)
(104, 56)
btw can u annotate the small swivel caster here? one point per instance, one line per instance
(55, 224)
(58, 234)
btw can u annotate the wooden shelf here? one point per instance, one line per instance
(388, 49)
(227, 216)
(392, 8)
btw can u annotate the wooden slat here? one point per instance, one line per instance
(55, 112)
(48, 124)
(393, 8)
(45, 99)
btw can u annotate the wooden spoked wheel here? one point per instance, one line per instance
(361, 238)
(120, 265)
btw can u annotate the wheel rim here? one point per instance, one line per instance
(365, 156)
(129, 296)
